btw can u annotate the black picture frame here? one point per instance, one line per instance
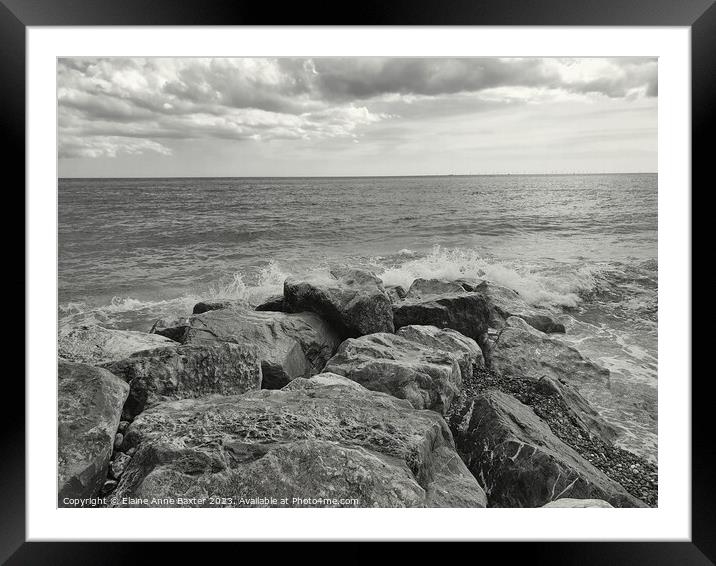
(699, 15)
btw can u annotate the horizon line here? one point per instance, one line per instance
(364, 176)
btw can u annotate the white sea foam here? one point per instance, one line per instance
(536, 285)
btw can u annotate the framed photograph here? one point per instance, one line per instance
(420, 276)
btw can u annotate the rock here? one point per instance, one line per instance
(566, 502)
(122, 426)
(169, 328)
(191, 370)
(315, 442)
(426, 377)
(422, 288)
(288, 345)
(96, 345)
(520, 462)
(274, 303)
(89, 404)
(352, 300)
(465, 349)
(118, 465)
(396, 293)
(504, 303)
(581, 412)
(465, 312)
(207, 306)
(118, 439)
(522, 350)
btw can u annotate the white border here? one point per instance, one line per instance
(671, 521)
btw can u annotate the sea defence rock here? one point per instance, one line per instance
(396, 293)
(581, 413)
(426, 377)
(353, 301)
(504, 303)
(421, 288)
(186, 372)
(521, 463)
(274, 303)
(288, 345)
(465, 349)
(319, 442)
(521, 350)
(89, 403)
(96, 345)
(206, 306)
(465, 312)
(567, 503)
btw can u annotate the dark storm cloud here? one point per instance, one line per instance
(109, 106)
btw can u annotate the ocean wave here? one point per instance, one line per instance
(537, 285)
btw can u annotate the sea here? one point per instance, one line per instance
(134, 250)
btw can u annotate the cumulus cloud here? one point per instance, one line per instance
(125, 105)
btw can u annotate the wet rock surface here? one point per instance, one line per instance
(519, 349)
(353, 301)
(465, 312)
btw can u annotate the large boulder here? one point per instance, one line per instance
(519, 349)
(288, 345)
(520, 462)
(186, 372)
(274, 303)
(504, 303)
(421, 288)
(320, 442)
(465, 312)
(465, 349)
(96, 345)
(352, 300)
(426, 377)
(89, 404)
(206, 306)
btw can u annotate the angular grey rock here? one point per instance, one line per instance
(288, 345)
(89, 404)
(522, 350)
(320, 440)
(520, 462)
(96, 345)
(465, 312)
(465, 349)
(187, 371)
(426, 377)
(352, 300)
(422, 288)
(274, 303)
(567, 503)
(504, 303)
(206, 306)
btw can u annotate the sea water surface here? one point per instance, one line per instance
(135, 250)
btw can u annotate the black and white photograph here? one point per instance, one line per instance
(363, 282)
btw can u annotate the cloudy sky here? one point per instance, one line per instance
(121, 117)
